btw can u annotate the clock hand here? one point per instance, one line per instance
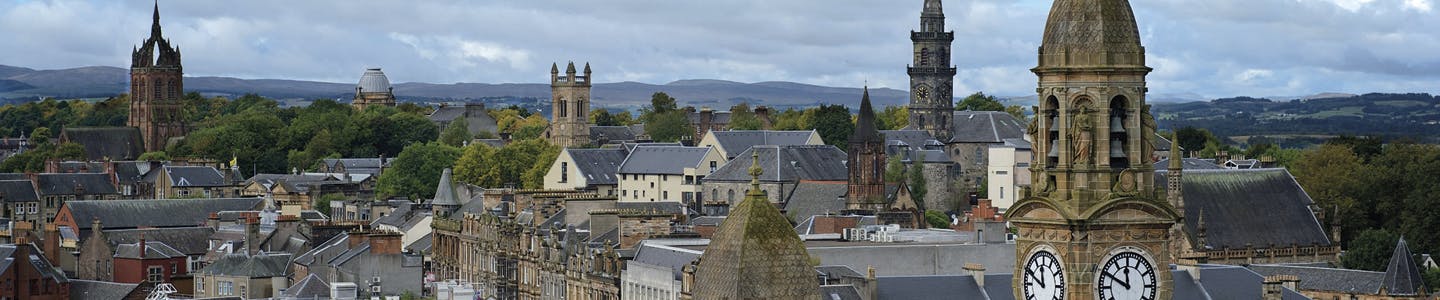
(1124, 283)
(1042, 279)
(1036, 278)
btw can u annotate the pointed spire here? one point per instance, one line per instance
(1402, 276)
(865, 123)
(570, 69)
(445, 193)
(155, 27)
(1175, 159)
(554, 68)
(587, 69)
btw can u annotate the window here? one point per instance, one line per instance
(242, 292)
(1001, 172)
(200, 286)
(225, 288)
(622, 193)
(712, 166)
(664, 195)
(564, 172)
(184, 192)
(665, 177)
(730, 197)
(155, 274)
(1002, 193)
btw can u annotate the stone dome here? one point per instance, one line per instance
(1091, 33)
(374, 81)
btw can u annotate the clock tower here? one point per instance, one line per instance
(932, 78)
(1093, 225)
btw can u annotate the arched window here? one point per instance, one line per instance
(1119, 133)
(730, 197)
(561, 113)
(924, 57)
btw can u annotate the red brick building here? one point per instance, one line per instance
(149, 261)
(29, 275)
(156, 90)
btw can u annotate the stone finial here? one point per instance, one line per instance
(755, 170)
(1175, 159)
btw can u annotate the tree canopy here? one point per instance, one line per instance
(979, 101)
(416, 172)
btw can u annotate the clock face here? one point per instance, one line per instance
(1127, 276)
(922, 92)
(1044, 279)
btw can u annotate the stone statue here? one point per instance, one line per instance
(1082, 138)
(1147, 133)
(1034, 128)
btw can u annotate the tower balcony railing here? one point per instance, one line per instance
(922, 35)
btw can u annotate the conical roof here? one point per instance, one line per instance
(1402, 277)
(1091, 33)
(755, 254)
(445, 192)
(865, 123)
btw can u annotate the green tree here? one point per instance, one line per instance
(523, 163)
(743, 118)
(669, 126)
(1365, 147)
(477, 166)
(602, 117)
(416, 172)
(1327, 174)
(1193, 139)
(893, 117)
(1017, 111)
(979, 101)
(1371, 250)
(917, 182)
(833, 122)
(661, 102)
(456, 133)
(894, 169)
(41, 135)
(322, 204)
(937, 219)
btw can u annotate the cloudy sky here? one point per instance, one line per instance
(1213, 48)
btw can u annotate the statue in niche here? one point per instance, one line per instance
(1082, 137)
(1147, 132)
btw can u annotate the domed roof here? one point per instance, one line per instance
(374, 81)
(1091, 32)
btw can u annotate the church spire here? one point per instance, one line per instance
(155, 26)
(865, 123)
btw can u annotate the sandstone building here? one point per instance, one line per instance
(156, 88)
(570, 102)
(932, 78)
(373, 90)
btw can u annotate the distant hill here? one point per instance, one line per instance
(1388, 115)
(23, 84)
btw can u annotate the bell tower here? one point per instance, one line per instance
(156, 89)
(932, 78)
(1093, 220)
(570, 107)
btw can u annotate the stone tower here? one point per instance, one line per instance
(932, 78)
(156, 87)
(1094, 219)
(755, 254)
(570, 106)
(866, 162)
(373, 90)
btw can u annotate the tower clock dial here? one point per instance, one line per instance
(922, 92)
(1127, 276)
(1043, 279)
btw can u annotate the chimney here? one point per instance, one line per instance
(213, 222)
(1274, 286)
(706, 117)
(978, 272)
(142, 245)
(357, 236)
(763, 113)
(110, 170)
(22, 231)
(51, 244)
(385, 242)
(79, 190)
(252, 234)
(52, 166)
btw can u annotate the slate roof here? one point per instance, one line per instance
(663, 160)
(1327, 279)
(106, 143)
(445, 194)
(18, 191)
(736, 141)
(865, 131)
(663, 207)
(79, 167)
(787, 163)
(909, 138)
(195, 176)
(665, 256)
(156, 213)
(13, 176)
(93, 290)
(613, 134)
(187, 240)
(985, 127)
(269, 180)
(153, 250)
(1160, 143)
(37, 260)
(755, 254)
(631, 146)
(1189, 164)
(357, 165)
(312, 287)
(839, 292)
(1402, 276)
(263, 265)
(814, 198)
(476, 118)
(1256, 207)
(599, 166)
(1215, 282)
(130, 172)
(717, 117)
(422, 244)
(64, 184)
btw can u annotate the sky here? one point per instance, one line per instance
(1209, 48)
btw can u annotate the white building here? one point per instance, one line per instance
(655, 273)
(652, 174)
(731, 143)
(1008, 170)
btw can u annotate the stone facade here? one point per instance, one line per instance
(1089, 202)
(867, 162)
(156, 88)
(570, 102)
(939, 192)
(932, 78)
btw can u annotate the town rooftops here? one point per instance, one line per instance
(114, 214)
(736, 141)
(663, 160)
(1189, 164)
(66, 184)
(106, 143)
(985, 127)
(788, 163)
(263, 265)
(312, 287)
(89, 289)
(598, 165)
(1215, 282)
(18, 191)
(195, 176)
(910, 138)
(36, 260)
(611, 133)
(1327, 279)
(153, 250)
(187, 240)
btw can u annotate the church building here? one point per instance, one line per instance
(156, 90)
(570, 102)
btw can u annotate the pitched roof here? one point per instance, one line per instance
(1189, 164)
(755, 254)
(1327, 279)
(1402, 276)
(787, 163)
(153, 250)
(41, 264)
(736, 141)
(312, 287)
(445, 191)
(663, 160)
(717, 117)
(599, 166)
(195, 176)
(809, 199)
(865, 131)
(840, 292)
(106, 143)
(263, 265)
(89, 289)
(130, 172)
(188, 240)
(1255, 208)
(18, 191)
(665, 256)
(985, 127)
(156, 213)
(79, 167)
(64, 184)
(476, 118)
(910, 138)
(612, 133)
